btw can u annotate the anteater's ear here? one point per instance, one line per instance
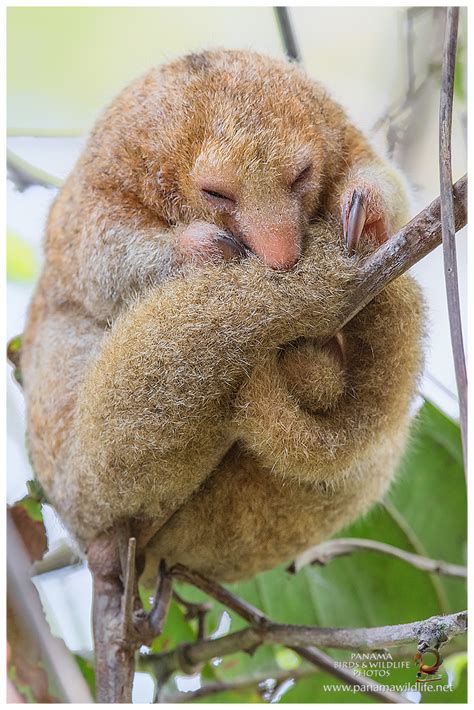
(164, 176)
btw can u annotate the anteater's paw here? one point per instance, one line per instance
(204, 243)
(364, 217)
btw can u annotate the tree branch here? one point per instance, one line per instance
(128, 597)
(399, 253)
(219, 593)
(261, 623)
(115, 656)
(25, 175)
(400, 118)
(287, 33)
(114, 647)
(448, 218)
(432, 632)
(240, 683)
(149, 626)
(327, 551)
(63, 556)
(326, 663)
(26, 606)
(195, 610)
(161, 601)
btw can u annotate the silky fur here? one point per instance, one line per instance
(197, 400)
(297, 475)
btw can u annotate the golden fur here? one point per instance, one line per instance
(193, 397)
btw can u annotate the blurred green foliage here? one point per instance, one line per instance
(22, 265)
(65, 63)
(425, 513)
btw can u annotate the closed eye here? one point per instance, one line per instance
(302, 177)
(217, 197)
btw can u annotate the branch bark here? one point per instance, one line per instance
(260, 621)
(261, 625)
(327, 551)
(432, 632)
(448, 218)
(287, 34)
(111, 559)
(402, 251)
(245, 610)
(326, 663)
(26, 606)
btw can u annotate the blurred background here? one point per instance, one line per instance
(66, 63)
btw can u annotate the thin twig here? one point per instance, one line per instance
(195, 610)
(161, 602)
(129, 589)
(26, 604)
(63, 556)
(447, 217)
(219, 593)
(327, 551)
(261, 621)
(287, 34)
(403, 108)
(278, 675)
(449, 393)
(24, 175)
(410, 51)
(375, 690)
(432, 632)
(147, 626)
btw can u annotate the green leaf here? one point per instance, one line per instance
(312, 690)
(36, 491)
(177, 630)
(21, 261)
(456, 665)
(14, 349)
(287, 659)
(430, 499)
(88, 672)
(425, 512)
(33, 508)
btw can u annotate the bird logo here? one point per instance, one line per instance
(427, 671)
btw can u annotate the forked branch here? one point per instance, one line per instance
(339, 547)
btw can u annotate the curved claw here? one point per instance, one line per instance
(337, 345)
(229, 246)
(354, 221)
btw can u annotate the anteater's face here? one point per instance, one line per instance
(242, 143)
